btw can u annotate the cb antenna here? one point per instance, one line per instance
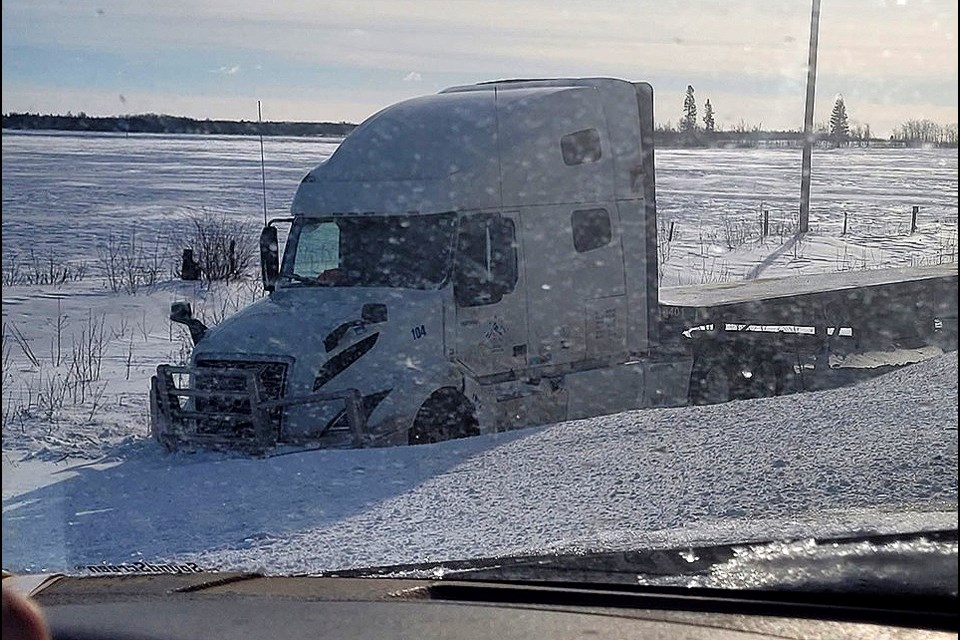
(263, 171)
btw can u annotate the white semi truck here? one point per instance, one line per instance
(485, 259)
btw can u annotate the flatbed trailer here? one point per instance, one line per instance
(772, 328)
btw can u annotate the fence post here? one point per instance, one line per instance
(670, 237)
(844, 224)
(913, 219)
(766, 222)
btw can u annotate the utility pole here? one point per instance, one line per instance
(808, 119)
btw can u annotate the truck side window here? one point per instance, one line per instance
(580, 147)
(591, 229)
(486, 264)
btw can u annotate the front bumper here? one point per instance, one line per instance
(227, 408)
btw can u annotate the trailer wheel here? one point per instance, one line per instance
(767, 379)
(446, 415)
(710, 381)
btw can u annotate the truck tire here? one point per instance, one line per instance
(446, 415)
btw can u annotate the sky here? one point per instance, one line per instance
(342, 60)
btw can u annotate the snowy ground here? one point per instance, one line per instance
(82, 485)
(878, 457)
(715, 200)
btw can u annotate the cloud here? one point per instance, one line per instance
(413, 76)
(228, 71)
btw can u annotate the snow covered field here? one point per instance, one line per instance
(82, 484)
(65, 194)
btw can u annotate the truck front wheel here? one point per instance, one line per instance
(446, 415)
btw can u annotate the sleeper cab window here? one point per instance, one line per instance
(580, 147)
(591, 229)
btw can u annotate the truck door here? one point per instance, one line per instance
(488, 293)
(573, 262)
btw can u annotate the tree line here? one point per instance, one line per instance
(692, 130)
(837, 131)
(159, 123)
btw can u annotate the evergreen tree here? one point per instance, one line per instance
(839, 125)
(689, 121)
(708, 122)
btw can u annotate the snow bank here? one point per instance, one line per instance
(878, 456)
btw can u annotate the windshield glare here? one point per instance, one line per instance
(371, 251)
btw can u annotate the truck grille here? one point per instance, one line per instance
(272, 380)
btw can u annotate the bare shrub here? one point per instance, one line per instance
(946, 247)
(86, 358)
(36, 270)
(180, 356)
(251, 289)
(736, 233)
(24, 343)
(223, 301)
(127, 264)
(783, 228)
(224, 248)
(705, 267)
(8, 379)
(68, 379)
(714, 271)
(56, 342)
(665, 237)
(52, 393)
(850, 261)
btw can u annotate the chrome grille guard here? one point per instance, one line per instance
(246, 423)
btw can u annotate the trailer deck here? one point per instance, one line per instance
(877, 306)
(726, 293)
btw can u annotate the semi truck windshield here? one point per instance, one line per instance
(413, 252)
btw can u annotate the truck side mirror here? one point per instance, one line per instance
(181, 313)
(269, 257)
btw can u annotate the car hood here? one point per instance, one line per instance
(922, 563)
